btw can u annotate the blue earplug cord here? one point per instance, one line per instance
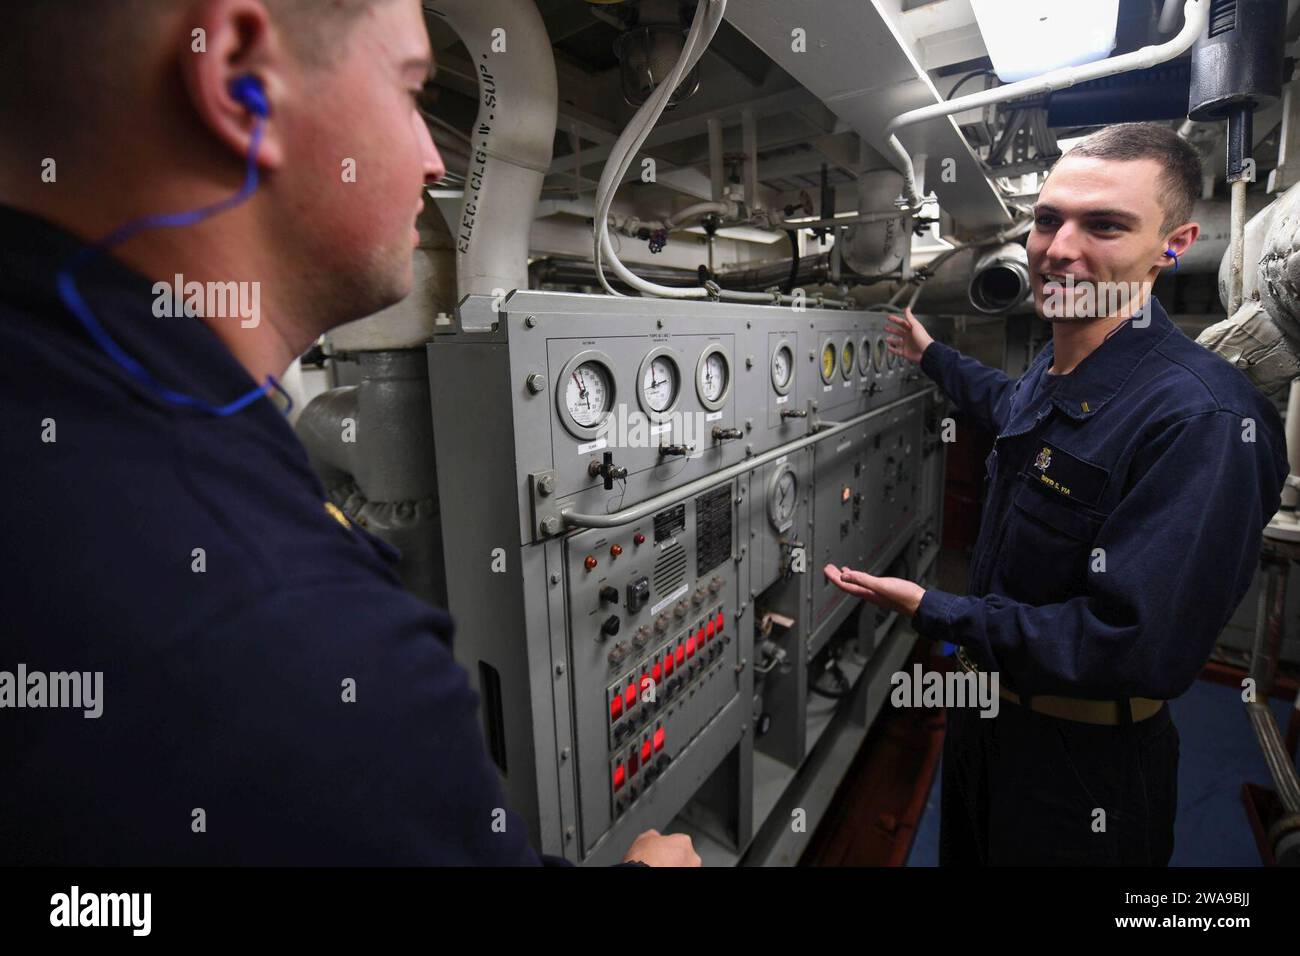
(248, 91)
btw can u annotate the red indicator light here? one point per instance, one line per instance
(615, 550)
(616, 707)
(590, 562)
(711, 628)
(690, 647)
(656, 672)
(721, 621)
(619, 776)
(668, 663)
(629, 696)
(645, 751)
(681, 654)
(638, 538)
(659, 740)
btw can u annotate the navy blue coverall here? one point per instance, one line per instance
(1122, 523)
(192, 560)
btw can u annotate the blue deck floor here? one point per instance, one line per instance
(1218, 754)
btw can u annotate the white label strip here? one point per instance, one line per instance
(660, 429)
(591, 446)
(843, 445)
(713, 416)
(782, 399)
(782, 460)
(668, 600)
(827, 388)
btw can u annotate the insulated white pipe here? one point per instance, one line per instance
(513, 136)
(1195, 16)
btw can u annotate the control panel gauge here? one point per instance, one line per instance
(782, 497)
(880, 354)
(585, 393)
(782, 368)
(713, 377)
(847, 354)
(864, 356)
(830, 356)
(660, 380)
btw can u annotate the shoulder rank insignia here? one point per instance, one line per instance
(337, 514)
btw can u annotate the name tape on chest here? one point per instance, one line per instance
(1066, 474)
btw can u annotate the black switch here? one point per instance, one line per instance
(638, 595)
(609, 594)
(610, 627)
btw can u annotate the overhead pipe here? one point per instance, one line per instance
(1195, 15)
(1000, 280)
(512, 139)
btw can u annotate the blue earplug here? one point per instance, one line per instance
(1172, 255)
(249, 91)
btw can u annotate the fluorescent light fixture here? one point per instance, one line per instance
(1027, 38)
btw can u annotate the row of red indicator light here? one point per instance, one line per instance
(621, 703)
(638, 758)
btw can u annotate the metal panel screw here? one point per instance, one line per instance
(546, 484)
(550, 525)
(536, 383)
(530, 321)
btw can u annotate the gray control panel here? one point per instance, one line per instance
(651, 489)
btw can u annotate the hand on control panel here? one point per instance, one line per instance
(655, 849)
(908, 337)
(892, 594)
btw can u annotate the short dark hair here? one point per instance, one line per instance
(317, 28)
(1181, 180)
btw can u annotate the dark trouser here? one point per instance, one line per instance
(1026, 789)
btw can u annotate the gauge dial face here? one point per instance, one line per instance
(782, 368)
(829, 358)
(864, 355)
(715, 376)
(659, 384)
(847, 354)
(880, 354)
(587, 394)
(783, 497)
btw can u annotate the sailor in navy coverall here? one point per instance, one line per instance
(1122, 521)
(271, 694)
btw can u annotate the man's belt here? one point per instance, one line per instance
(1073, 708)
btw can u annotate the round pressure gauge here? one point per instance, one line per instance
(880, 354)
(782, 368)
(660, 383)
(847, 354)
(864, 356)
(713, 377)
(782, 497)
(585, 393)
(830, 356)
